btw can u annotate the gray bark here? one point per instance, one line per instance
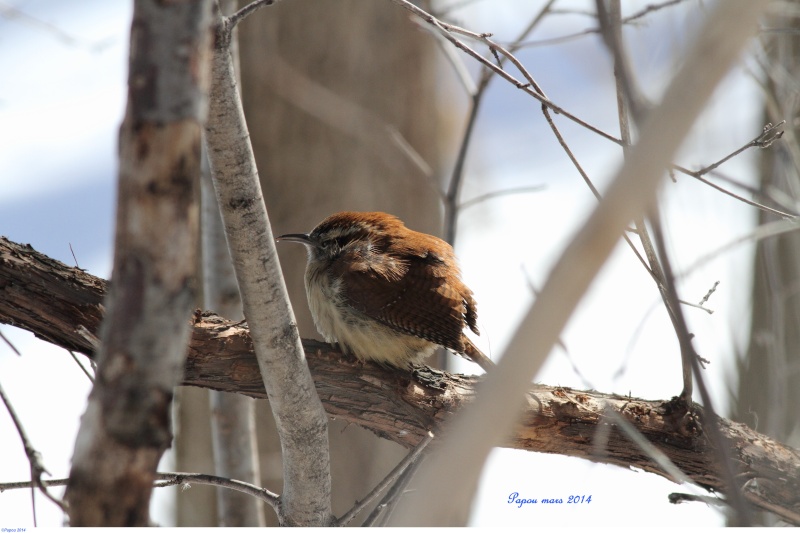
(232, 416)
(233, 420)
(126, 426)
(298, 412)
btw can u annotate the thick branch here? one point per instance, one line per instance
(40, 295)
(299, 415)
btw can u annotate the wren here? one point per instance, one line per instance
(386, 293)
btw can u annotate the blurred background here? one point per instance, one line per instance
(352, 105)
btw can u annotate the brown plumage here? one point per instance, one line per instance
(385, 292)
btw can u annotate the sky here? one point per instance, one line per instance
(62, 96)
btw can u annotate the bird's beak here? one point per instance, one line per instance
(302, 238)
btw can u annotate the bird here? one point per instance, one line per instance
(385, 293)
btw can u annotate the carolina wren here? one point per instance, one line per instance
(386, 293)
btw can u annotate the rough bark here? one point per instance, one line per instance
(402, 406)
(126, 426)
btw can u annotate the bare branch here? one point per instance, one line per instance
(711, 291)
(10, 344)
(246, 11)
(382, 513)
(769, 135)
(530, 87)
(404, 406)
(452, 197)
(765, 231)
(396, 472)
(721, 447)
(80, 365)
(630, 106)
(299, 416)
(483, 423)
(169, 479)
(34, 457)
(497, 194)
(651, 8)
(233, 418)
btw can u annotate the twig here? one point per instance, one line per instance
(382, 512)
(659, 457)
(650, 8)
(628, 104)
(452, 57)
(449, 29)
(34, 457)
(734, 195)
(457, 177)
(611, 30)
(494, 194)
(589, 31)
(77, 361)
(450, 197)
(250, 8)
(753, 494)
(697, 306)
(591, 186)
(10, 344)
(671, 301)
(711, 426)
(681, 497)
(709, 293)
(73, 256)
(168, 479)
(771, 229)
(769, 135)
(412, 456)
(758, 193)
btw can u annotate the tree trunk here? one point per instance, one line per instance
(126, 426)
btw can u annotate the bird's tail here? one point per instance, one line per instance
(473, 352)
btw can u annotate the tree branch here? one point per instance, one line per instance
(39, 294)
(299, 415)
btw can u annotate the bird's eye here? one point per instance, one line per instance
(331, 247)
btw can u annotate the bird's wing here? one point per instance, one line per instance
(412, 295)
